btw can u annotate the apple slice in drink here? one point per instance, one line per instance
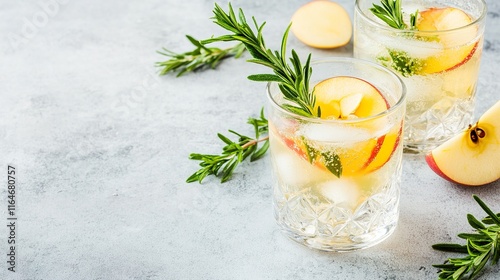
(354, 146)
(471, 157)
(346, 97)
(338, 89)
(449, 59)
(357, 99)
(441, 19)
(385, 151)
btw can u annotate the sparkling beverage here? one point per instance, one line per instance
(337, 180)
(438, 61)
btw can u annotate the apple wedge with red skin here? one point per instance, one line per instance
(471, 158)
(372, 153)
(377, 151)
(442, 19)
(381, 155)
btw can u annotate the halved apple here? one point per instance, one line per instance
(441, 19)
(471, 157)
(322, 24)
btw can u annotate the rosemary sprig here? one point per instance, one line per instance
(390, 12)
(481, 246)
(202, 56)
(293, 80)
(233, 153)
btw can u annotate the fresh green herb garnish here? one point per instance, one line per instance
(402, 62)
(312, 153)
(329, 159)
(481, 246)
(293, 81)
(233, 153)
(390, 12)
(332, 163)
(201, 56)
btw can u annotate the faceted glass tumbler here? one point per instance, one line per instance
(439, 68)
(314, 204)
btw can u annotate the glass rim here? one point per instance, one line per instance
(365, 18)
(400, 102)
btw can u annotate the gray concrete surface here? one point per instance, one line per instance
(101, 143)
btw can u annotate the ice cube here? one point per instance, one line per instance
(335, 132)
(295, 171)
(414, 48)
(340, 191)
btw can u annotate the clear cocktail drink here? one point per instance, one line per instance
(437, 57)
(337, 178)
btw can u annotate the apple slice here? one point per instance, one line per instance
(322, 24)
(345, 97)
(385, 151)
(441, 19)
(438, 19)
(349, 104)
(449, 59)
(349, 89)
(365, 153)
(471, 157)
(356, 98)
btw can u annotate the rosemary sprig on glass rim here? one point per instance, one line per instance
(293, 80)
(233, 153)
(202, 56)
(391, 13)
(481, 246)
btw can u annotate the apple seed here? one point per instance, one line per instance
(480, 132)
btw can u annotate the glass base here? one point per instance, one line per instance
(337, 227)
(341, 244)
(436, 125)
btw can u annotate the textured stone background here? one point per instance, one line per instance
(101, 145)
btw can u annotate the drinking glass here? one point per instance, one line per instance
(439, 68)
(313, 203)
